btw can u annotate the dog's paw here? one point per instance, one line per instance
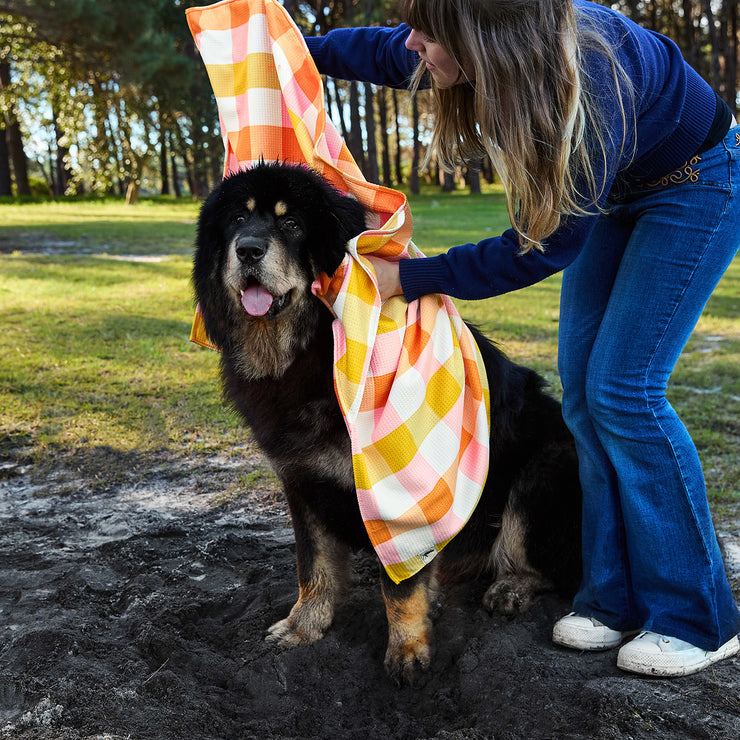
(406, 663)
(286, 633)
(508, 596)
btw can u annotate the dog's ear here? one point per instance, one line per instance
(345, 219)
(205, 276)
(351, 214)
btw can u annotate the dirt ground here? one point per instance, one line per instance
(138, 610)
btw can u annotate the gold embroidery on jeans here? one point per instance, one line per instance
(737, 139)
(684, 173)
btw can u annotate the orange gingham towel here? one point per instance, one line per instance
(406, 375)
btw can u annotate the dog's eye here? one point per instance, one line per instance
(291, 223)
(239, 220)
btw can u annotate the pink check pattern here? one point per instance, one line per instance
(408, 377)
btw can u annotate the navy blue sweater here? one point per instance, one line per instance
(674, 109)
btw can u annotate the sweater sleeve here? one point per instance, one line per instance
(493, 266)
(377, 55)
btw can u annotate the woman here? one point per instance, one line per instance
(621, 168)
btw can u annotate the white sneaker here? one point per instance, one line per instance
(586, 633)
(657, 655)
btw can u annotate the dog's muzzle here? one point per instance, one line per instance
(250, 250)
(256, 298)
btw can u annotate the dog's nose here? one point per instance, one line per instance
(249, 249)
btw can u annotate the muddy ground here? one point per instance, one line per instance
(139, 609)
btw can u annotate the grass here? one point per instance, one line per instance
(101, 226)
(95, 354)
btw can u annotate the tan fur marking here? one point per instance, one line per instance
(409, 634)
(508, 554)
(516, 581)
(251, 204)
(319, 591)
(280, 208)
(409, 618)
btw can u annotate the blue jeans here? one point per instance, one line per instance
(629, 303)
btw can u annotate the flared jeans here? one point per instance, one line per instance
(629, 304)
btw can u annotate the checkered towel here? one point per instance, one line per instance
(406, 375)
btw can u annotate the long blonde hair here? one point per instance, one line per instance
(527, 107)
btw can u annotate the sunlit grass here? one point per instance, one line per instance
(105, 226)
(96, 352)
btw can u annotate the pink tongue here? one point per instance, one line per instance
(256, 300)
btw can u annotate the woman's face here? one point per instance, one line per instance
(441, 66)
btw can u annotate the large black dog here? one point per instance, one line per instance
(264, 235)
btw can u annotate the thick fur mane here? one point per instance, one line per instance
(255, 205)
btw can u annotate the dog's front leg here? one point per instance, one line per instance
(407, 605)
(323, 572)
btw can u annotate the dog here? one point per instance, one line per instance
(263, 236)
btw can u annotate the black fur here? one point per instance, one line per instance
(532, 495)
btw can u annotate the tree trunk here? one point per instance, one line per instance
(371, 164)
(354, 141)
(109, 142)
(448, 182)
(188, 169)
(62, 172)
(633, 7)
(175, 178)
(338, 107)
(164, 170)
(17, 154)
(414, 179)
(18, 157)
(730, 37)
(689, 33)
(6, 184)
(132, 193)
(50, 176)
(472, 177)
(397, 128)
(486, 169)
(216, 161)
(198, 166)
(716, 77)
(384, 143)
(734, 51)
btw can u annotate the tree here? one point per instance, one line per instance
(14, 138)
(371, 161)
(103, 95)
(384, 142)
(414, 178)
(113, 74)
(6, 183)
(397, 116)
(706, 32)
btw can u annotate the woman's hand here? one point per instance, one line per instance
(389, 278)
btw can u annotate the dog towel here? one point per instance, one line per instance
(408, 377)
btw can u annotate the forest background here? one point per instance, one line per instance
(103, 97)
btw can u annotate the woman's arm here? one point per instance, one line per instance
(493, 266)
(376, 55)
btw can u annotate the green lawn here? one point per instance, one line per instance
(94, 349)
(93, 226)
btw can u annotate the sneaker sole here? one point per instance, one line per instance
(575, 640)
(671, 665)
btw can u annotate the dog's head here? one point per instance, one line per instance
(264, 234)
